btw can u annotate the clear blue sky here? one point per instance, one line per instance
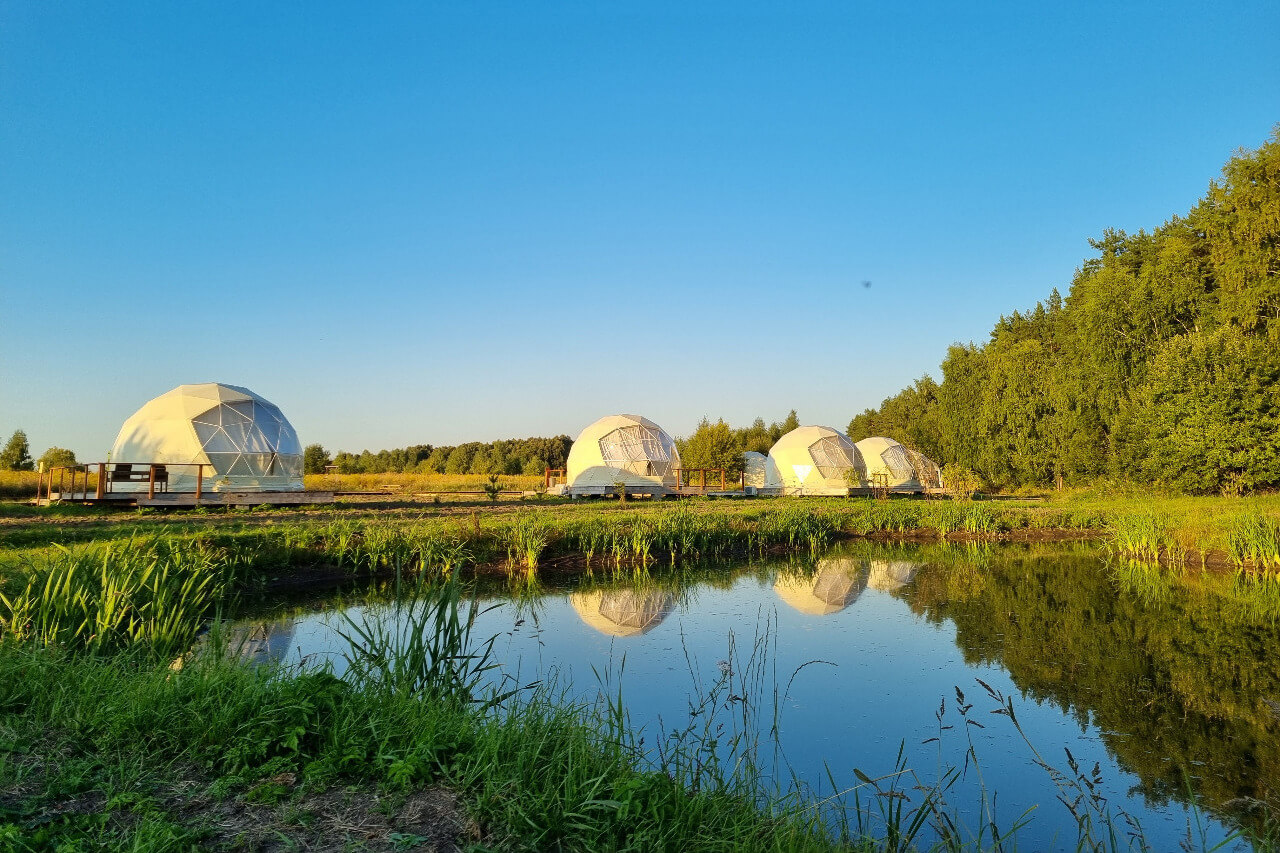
(432, 223)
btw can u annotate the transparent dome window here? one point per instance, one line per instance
(834, 458)
(898, 462)
(247, 439)
(639, 449)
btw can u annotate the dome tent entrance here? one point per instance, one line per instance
(245, 439)
(625, 449)
(814, 460)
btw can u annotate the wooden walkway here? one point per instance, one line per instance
(176, 500)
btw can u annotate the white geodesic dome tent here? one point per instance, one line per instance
(624, 449)
(834, 584)
(814, 460)
(901, 468)
(247, 441)
(623, 612)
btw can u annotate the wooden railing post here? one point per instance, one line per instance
(151, 482)
(101, 489)
(199, 482)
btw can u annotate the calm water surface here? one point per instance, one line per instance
(1172, 690)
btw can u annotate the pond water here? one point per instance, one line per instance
(1171, 689)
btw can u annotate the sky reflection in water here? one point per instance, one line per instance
(888, 634)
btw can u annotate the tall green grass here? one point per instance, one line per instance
(1254, 540)
(1145, 537)
(147, 595)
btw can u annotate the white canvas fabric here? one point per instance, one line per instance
(246, 439)
(755, 466)
(622, 449)
(622, 612)
(904, 468)
(835, 583)
(814, 460)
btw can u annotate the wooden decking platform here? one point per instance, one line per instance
(189, 499)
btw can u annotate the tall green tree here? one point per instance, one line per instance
(16, 455)
(315, 458)
(712, 445)
(1158, 366)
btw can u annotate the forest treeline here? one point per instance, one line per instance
(510, 456)
(711, 446)
(1161, 365)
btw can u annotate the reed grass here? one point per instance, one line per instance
(147, 595)
(1145, 537)
(1254, 540)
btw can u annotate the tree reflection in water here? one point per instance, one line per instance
(1184, 685)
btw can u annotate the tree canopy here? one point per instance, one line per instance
(55, 457)
(1161, 365)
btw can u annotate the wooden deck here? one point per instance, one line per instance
(189, 499)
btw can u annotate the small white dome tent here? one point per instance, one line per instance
(247, 440)
(625, 449)
(623, 612)
(835, 583)
(755, 467)
(902, 468)
(814, 460)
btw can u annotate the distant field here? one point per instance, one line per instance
(411, 483)
(22, 484)
(18, 484)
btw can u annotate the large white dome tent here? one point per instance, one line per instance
(625, 449)
(245, 439)
(898, 466)
(814, 460)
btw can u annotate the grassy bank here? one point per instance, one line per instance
(133, 751)
(120, 754)
(1231, 533)
(105, 743)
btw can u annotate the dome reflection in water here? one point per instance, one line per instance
(623, 612)
(834, 584)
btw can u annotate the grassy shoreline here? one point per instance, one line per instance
(104, 745)
(1221, 533)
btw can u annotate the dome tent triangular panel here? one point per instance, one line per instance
(242, 435)
(624, 449)
(814, 460)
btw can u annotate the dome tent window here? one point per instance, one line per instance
(643, 449)
(835, 458)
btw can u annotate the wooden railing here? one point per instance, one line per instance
(104, 474)
(684, 479)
